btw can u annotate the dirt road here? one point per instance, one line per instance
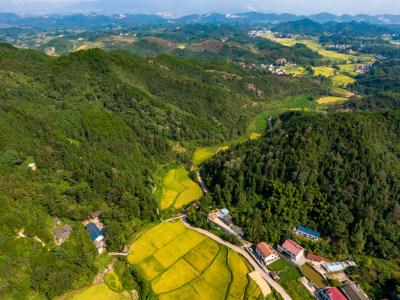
(203, 186)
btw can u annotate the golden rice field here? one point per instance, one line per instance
(180, 263)
(342, 79)
(178, 189)
(324, 71)
(100, 292)
(330, 99)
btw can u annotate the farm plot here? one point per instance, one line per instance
(188, 265)
(100, 292)
(178, 189)
(342, 80)
(330, 99)
(324, 71)
(290, 280)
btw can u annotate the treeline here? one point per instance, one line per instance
(383, 77)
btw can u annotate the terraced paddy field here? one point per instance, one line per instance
(178, 189)
(181, 263)
(201, 155)
(100, 292)
(330, 99)
(324, 71)
(342, 79)
(290, 280)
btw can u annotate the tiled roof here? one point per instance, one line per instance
(93, 230)
(314, 257)
(292, 247)
(265, 249)
(309, 231)
(334, 294)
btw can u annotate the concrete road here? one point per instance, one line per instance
(244, 253)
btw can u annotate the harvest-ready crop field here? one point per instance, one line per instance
(100, 292)
(181, 263)
(178, 189)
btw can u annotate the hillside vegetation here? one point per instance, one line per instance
(97, 125)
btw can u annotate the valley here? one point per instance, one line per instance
(206, 170)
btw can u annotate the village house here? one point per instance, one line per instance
(353, 292)
(96, 235)
(332, 294)
(62, 233)
(307, 233)
(291, 249)
(266, 253)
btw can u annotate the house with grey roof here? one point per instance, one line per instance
(62, 233)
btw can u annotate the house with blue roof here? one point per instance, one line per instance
(96, 235)
(307, 233)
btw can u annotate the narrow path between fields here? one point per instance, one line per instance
(203, 186)
(241, 251)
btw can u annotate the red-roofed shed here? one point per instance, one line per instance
(314, 257)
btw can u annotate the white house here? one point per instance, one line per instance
(266, 253)
(290, 248)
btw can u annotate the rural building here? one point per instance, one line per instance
(338, 266)
(57, 221)
(62, 233)
(308, 233)
(290, 248)
(227, 220)
(96, 235)
(353, 292)
(314, 257)
(237, 229)
(266, 253)
(274, 275)
(332, 294)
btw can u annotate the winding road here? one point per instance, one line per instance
(246, 255)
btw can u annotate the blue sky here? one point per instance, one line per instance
(182, 7)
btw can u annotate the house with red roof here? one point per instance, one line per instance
(314, 257)
(265, 252)
(332, 294)
(290, 248)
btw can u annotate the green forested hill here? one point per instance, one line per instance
(97, 125)
(337, 174)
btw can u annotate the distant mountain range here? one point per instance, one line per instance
(249, 18)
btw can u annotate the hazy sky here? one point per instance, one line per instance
(182, 7)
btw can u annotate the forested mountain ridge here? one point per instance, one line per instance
(97, 125)
(335, 173)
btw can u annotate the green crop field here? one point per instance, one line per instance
(113, 282)
(314, 276)
(100, 292)
(178, 189)
(180, 263)
(201, 156)
(290, 280)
